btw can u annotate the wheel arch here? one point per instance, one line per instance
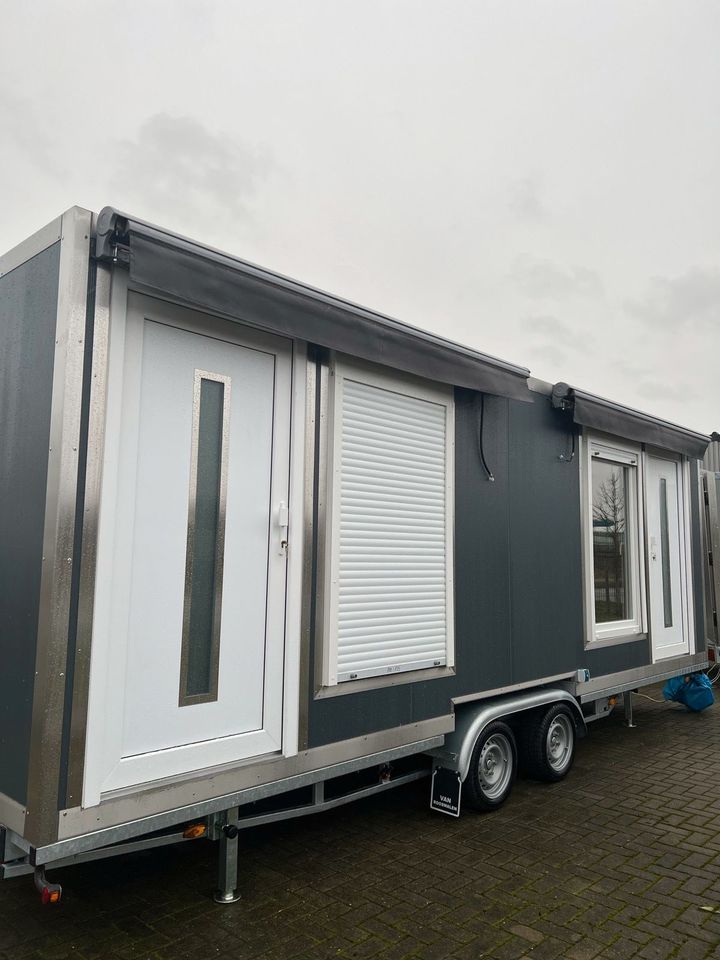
(472, 718)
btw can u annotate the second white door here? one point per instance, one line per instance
(666, 552)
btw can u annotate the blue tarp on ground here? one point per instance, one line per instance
(695, 691)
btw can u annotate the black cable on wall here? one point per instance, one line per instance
(480, 404)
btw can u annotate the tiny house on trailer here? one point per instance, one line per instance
(264, 551)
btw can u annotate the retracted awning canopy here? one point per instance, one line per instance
(213, 281)
(601, 414)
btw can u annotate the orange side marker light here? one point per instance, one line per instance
(194, 831)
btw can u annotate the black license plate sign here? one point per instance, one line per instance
(445, 791)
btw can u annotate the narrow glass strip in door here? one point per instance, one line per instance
(205, 539)
(665, 554)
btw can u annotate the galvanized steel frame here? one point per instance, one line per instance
(611, 683)
(137, 813)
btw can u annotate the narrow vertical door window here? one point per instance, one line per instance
(665, 554)
(205, 539)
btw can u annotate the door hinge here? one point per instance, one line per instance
(710, 559)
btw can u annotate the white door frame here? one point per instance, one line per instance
(685, 546)
(103, 747)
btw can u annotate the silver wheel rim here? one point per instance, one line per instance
(495, 766)
(559, 742)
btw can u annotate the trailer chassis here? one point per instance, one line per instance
(586, 700)
(17, 858)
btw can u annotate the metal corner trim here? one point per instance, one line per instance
(91, 508)
(41, 820)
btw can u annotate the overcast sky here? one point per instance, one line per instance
(539, 180)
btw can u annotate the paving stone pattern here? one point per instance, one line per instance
(615, 862)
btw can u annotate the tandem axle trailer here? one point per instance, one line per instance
(270, 552)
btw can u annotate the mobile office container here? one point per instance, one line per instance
(258, 540)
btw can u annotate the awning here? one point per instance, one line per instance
(601, 414)
(165, 263)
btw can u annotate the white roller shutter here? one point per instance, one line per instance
(391, 520)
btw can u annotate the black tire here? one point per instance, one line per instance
(548, 744)
(493, 768)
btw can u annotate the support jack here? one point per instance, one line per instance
(628, 703)
(227, 891)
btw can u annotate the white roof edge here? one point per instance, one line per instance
(37, 242)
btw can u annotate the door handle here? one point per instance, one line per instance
(282, 521)
(653, 548)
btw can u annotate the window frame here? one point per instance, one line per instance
(600, 447)
(339, 368)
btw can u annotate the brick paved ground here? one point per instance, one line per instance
(615, 862)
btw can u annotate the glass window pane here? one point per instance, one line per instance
(610, 541)
(665, 554)
(203, 586)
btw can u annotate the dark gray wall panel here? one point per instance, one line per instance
(483, 656)
(28, 307)
(545, 548)
(482, 611)
(621, 656)
(518, 572)
(355, 714)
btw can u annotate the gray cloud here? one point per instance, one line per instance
(691, 298)
(555, 341)
(549, 352)
(542, 279)
(26, 134)
(547, 327)
(177, 162)
(666, 390)
(526, 201)
(412, 182)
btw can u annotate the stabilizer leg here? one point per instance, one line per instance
(628, 702)
(227, 891)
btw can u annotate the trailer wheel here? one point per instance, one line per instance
(548, 745)
(493, 767)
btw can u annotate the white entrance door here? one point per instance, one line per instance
(666, 556)
(188, 636)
